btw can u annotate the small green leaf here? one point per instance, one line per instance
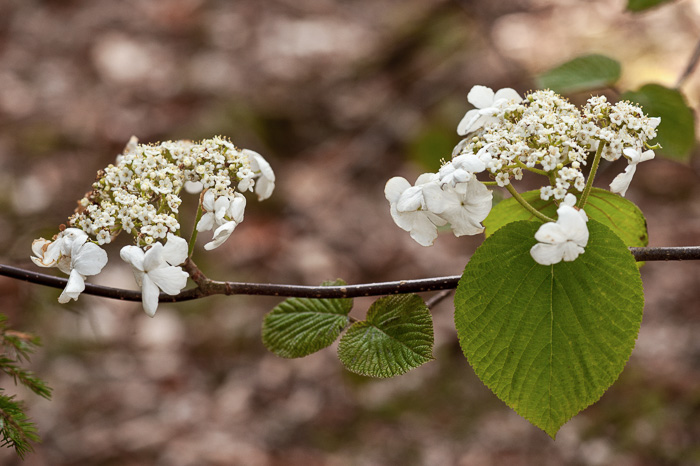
(581, 74)
(676, 133)
(396, 337)
(612, 210)
(298, 327)
(548, 340)
(641, 5)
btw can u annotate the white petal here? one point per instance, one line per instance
(133, 255)
(424, 231)
(89, 259)
(654, 121)
(426, 178)
(208, 201)
(221, 206)
(46, 253)
(469, 162)
(75, 286)
(63, 264)
(169, 279)
(153, 258)
(570, 251)
(221, 234)
(206, 222)
(632, 154)
(149, 296)
(507, 94)
(464, 224)
(646, 156)
(622, 181)
(395, 187)
(194, 187)
(264, 188)
(480, 96)
(175, 250)
(403, 220)
(569, 200)
(70, 236)
(573, 224)
(468, 122)
(39, 246)
(547, 254)
(258, 163)
(437, 200)
(237, 208)
(411, 199)
(551, 233)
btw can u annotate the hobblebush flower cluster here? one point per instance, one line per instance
(508, 135)
(141, 195)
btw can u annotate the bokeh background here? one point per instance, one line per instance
(339, 96)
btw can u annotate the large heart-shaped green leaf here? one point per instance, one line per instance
(397, 336)
(612, 210)
(548, 340)
(298, 327)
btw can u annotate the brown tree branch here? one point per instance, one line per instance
(206, 287)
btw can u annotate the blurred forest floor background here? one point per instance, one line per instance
(339, 96)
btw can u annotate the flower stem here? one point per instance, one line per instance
(193, 237)
(531, 169)
(516, 195)
(591, 176)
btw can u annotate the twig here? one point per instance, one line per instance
(437, 299)
(207, 287)
(691, 66)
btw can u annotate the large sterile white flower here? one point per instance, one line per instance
(74, 255)
(157, 269)
(564, 239)
(463, 210)
(408, 208)
(86, 258)
(634, 156)
(224, 213)
(458, 171)
(265, 184)
(487, 104)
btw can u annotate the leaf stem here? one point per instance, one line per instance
(589, 183)
(516, 195)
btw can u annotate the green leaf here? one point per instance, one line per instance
(298, 327)
(641, 5)
(612, 210)
(397, 336)
(580, 74)
(676, 133)
(548, 340)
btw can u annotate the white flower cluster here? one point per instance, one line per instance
(140, 194)
(507, 135)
